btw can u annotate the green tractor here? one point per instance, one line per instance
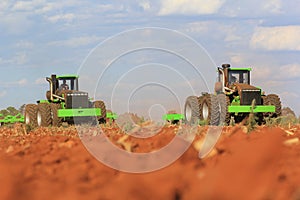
(234, 98)
(64, 103)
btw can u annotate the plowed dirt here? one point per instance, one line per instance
(52, 163)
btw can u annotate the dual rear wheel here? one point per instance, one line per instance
(207, 109)
(38, 115)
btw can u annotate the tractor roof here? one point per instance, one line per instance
(67, 76)
(238, 69)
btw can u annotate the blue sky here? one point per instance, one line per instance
(41, 37)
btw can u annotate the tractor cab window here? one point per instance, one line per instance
(239, 76)
(67, 84)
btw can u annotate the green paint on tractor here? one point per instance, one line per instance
(239, 69)
(173, 117)
(67, 76)
(248, 109)
(79, 112)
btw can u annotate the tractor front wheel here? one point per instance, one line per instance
(101, 105)
(274, 100)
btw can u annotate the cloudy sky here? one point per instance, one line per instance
(41, 37)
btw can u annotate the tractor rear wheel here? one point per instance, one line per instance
(274, 100)
(224, 102)
(101, 105)
(209, 109)
(44, 115)
(56, 121)
(31, 114)
(200, 98)
(191, 110)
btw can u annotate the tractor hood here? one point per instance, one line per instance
(242, 86)
(248, 93)
(75, 99)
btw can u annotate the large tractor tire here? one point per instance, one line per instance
(224, 102)
(44, 115)
(200, 106)
(209, 109)
(31, 114)
(56, 121)
(191, 110)
(101, 105)
(273, 99)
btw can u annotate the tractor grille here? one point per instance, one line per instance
(248, 96)
(77, 100)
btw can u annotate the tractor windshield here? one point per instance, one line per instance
(68, 84)
(239, 76)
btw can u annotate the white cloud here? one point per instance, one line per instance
(232, 37)
(69, 17)
(262, 73)
(236, 59)
(2, 61)
(47, 7)
(22, 82)
(273, 84)
(145, 5)
(43, 6)
(14, 23)
(20, 58)
(77, 41)
(40, 81)
(290, 71)
(276, 38)
(3, 93)
(27, 5)
(22, 44)
(19, 83)
(106, 7)
(198, 27)
(253, 8)
(4, 4)
(190, 7)
(289, 94)
(22, 5)
(273, 6)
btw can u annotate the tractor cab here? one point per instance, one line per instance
(67, 82)
(59, 85)
(228, 76)
(239, 75)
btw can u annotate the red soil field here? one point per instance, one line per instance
(52, 163)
